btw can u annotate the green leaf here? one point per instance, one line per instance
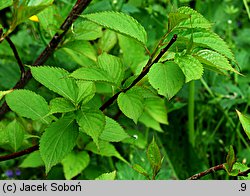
(140, 170)
(154, 156)
(147, 92)
(190, 66)
(16, 134)
(211, 40)
(196, 19)
(57, 80)
(126, 172)
(131, 49)
(166, 78)
(48, 20)
(247, 7)
(72, 55)
(81, 47)
(75, 163)
(213, 60)
(94, 73)
(8, 68)
(4, 137)
(105, 149)
(24, 11)
(58, 140)
(239, 167)
(104, 88)
(231, 159)
(113, 132)
(28, 104)
(3, 93)
(4, 140)
(109, 69)
(153, 153)
(86, 30)
(5, 3)
(86, 91)
(150, 122)
(245, 122)
(33, 160)
(131, 104)
(38, 2)
(119, 22)
(107, 176)
(107, 41)
(136, 138)
(92, 122)
(174, 18)
(156, 108)
(113, 66)
(61, 105)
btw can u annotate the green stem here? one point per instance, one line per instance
(41, 34)
(229, 120)
(207, 87)
(191, 133)
(165, 154)
(247, 8)
(111, 163)
(217, 126)
(146, 134)
(239, 132)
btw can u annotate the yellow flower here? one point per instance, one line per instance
(34, 18)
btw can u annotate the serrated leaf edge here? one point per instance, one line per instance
(55, 68)
(134, 20)
(31, 108)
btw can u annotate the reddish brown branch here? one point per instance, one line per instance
(214, 169)
(144, 72)
(20, 153)
(244, 173)
(73, 15)
(18, 59)
(48, 51)
(206, 172)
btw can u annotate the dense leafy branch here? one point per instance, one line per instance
(110, 101)
(142, 74)
(48, 51)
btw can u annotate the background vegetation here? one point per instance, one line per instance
(216, 96)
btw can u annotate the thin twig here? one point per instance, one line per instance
(20, 153)
(18, 59)
(48, 51)
(77, 9)
(214, 169)
(206, 172)
(244, 173)
(142, 74)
